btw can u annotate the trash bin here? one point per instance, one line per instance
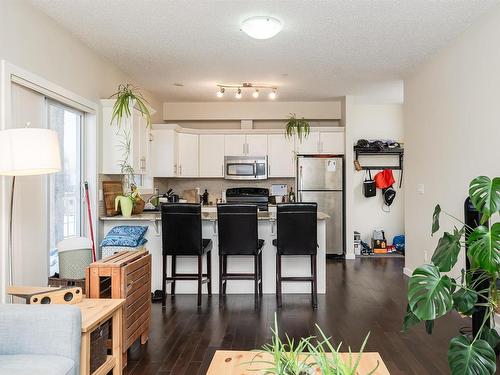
(75, 254)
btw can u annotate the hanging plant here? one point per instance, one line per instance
(128, 97)
(297, 126)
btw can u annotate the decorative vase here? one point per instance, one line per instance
(126, 205)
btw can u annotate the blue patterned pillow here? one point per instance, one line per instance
(126, 235)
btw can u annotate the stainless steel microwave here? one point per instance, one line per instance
(245, 167)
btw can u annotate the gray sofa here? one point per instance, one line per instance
(40, 339)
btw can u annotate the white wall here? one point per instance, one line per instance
(375, 122)
(452, 130)
(34, 42)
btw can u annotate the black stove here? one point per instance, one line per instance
(258, 196)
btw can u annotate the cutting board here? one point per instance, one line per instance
(111, 189)
(191, 196)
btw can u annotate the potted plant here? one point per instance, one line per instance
(128, 97)
(297, 126)
(433, 294)
(307, 358)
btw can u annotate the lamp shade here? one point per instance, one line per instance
(29, 151)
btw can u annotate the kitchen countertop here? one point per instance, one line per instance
(207, 215)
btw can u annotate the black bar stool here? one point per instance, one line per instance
(181, 236)
(297, 235)
(238, 235)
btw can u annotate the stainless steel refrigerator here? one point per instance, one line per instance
(320, 178)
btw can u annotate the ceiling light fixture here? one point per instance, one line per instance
(239, 88)
(261, 27)
(221, 91)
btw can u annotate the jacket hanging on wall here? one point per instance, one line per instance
(369, 188)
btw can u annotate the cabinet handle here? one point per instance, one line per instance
(244, 144)
(150, 137)
(175, 169)
(180, 170)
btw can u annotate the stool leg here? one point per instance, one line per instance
(278, 280)
(221, 273)
(224, 270)
(260, 273)
(164, 281)
(209, 273)
(174, 274)
(315, 282)
(200, 276)
(256, 277)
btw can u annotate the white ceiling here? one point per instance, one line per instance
(326, 48)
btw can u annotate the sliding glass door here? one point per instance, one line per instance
(65, 187)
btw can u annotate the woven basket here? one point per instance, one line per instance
(98, 346)
(138, 207)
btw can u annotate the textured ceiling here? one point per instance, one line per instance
(326, 48)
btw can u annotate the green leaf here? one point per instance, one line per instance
(485, 196)
(470, 358)
(429, 293)
(446, 254)
(435, 219)
(484, 247)
(491, 336)
(409, 320)
(464, 300)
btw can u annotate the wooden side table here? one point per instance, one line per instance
(94, 313)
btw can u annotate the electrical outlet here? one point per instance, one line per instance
(421, 189)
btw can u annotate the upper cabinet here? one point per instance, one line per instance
(211, 155)
(164, 153)
(322, 142)
(246, 145)
(281, 156)
(132, 131)
(188, 155)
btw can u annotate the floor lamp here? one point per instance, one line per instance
(26, 152)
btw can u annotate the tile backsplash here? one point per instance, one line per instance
(215, 186)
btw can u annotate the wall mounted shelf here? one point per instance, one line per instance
(397, 151)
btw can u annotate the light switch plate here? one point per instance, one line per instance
(420, 188)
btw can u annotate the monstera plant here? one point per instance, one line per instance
(432, 293)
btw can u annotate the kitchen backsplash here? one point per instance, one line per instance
(215, 186)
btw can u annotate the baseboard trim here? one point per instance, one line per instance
(408, 272)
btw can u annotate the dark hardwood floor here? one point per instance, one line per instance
(366, 295)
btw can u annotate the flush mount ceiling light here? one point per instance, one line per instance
(256, 88)
(261, 27)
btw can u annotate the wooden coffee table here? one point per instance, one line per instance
(229, 362)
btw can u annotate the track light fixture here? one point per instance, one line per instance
(256, 88)
(221, 91)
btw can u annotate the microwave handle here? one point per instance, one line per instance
(255, 170)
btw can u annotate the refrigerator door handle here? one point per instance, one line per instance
(301, 181)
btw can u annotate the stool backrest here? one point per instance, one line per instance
(237, 225)
(297, 228)
(181, 229)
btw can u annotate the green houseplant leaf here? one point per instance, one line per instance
(491, 336)
(446, 254)
(429, 293)
(435, 219)
(485, 196)
(464, 300)
(470, 358)
(297, 126)
(484, 247)
(409, 320)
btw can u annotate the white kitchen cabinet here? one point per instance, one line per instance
(322, 142)
(309, 145)
(331, 143)
(188, 155)
(256, 144)
(164, 153)
(281, 156)
(235, 144)
(115, 135)
(246, 144)
(211, 155)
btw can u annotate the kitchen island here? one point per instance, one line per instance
(291, 265)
